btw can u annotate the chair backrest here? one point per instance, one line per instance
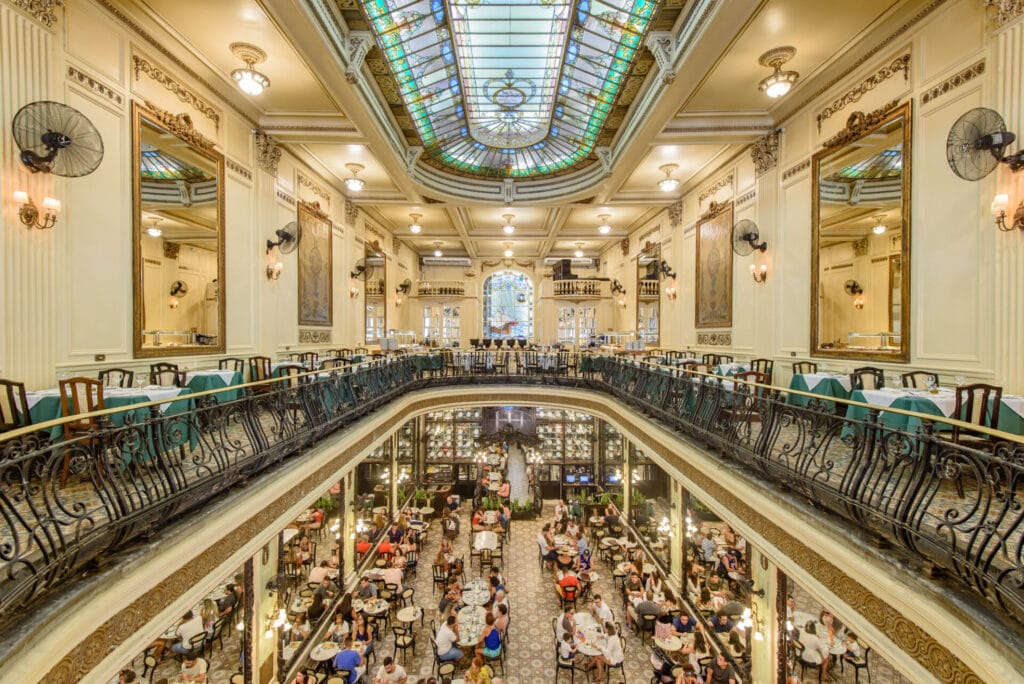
(723, 358)
(708, 359)
(867, 377)
(692, 367)
(165, 374)
(196, 642)
(977, 404)
(920, 379)
(259, 368)
(116, 377)
(308, 358)
(360, 351)
(232, 363)
(569, 593)
(765, 366)
(332, 363)
(80, 395)
(804, 367)
(755, 377)
(13, 406)
(446, 669)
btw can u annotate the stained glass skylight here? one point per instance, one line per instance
(509, 88)
(884, 165)
(158, 165)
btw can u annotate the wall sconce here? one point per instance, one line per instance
(999, 206)
(749, 619)
(759, 274)
(398, 301)
(858, 302)
(622, 302)
(274, 265)
(353, 292)
(29, 213)
(671, 292)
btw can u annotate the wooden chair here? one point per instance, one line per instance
(405, 639)
(867, 378)
(857, 663)
(232, 363)
(79, 395)
(977, 404)
(723, 358)
(13, 406)
(116, 377)
(765, 366)
(804, 367)
(360, 351)
(693, 368)
(259, 370)
(333, 363)
(166, 375)
(308, 359)
(708, 359)
(755, 377)
(920, 379)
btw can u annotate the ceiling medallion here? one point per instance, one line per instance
(250, 81)
(779, 83)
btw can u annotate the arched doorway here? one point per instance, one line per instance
(508, 305)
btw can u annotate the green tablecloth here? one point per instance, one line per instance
(828, 387)
(1009, 420)
(428, 362)
(730, 369)
(201, 382)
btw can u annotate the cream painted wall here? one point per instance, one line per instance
(964, 274)
(67, 292)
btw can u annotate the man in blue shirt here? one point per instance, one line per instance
(724, 625)
(683, 624)
(707, 547)
(349, 659)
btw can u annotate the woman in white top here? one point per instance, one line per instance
(654, 583)
(815, 649)
(611, 655)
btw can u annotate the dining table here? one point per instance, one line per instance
(940, 403)
(730, 369)
(824, 384)
(485, 540)
(476, 593)
(471, 620)
(215, 379)
(669, 644)
(324, 651)
(371, 606)
(590, 638)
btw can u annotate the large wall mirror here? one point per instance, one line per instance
(860, 251)
(178, 236)
(648, 294)
(376, 306)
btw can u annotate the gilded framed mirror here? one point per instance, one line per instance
(177, 236)
(376, 317)
(860, 238)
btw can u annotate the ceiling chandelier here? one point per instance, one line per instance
(508, 250)
(354, 184)
(668, 183)
(579, 250)
(879, 226)
(779, 83)
(605, 227)
(508, 228)
(154, 229)
(415, 226)
(437, 248)
(250, 81)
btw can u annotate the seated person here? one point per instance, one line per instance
(367, 589)
(567, 647)
(319, 573)
(193, 669)
(586, 561)
(645, 606)
(393, 574)
(634, 588)
(854, 653)
(683, 624)
(505, 490)
(477, 521)
(363, 545)
(546, 542)
(611, 518)
(349, 659)
(446, 639)
(600, 610)
(566, 579)
(327, 589)
(395, 533)
(723, 624)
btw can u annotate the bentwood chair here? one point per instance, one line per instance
(867, 378)
(977, 404)
(804, 367)
(722, 358)
(116, 377)
(232, 363)
(259, 370)
(764, 366)
(166, 375)
(79, 395)
(920, 379)
(708, 359)
(13, 406)
(308, 359)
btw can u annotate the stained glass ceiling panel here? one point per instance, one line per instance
(509, 88)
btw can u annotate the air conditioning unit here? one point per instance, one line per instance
(445, 261)
(584, 263)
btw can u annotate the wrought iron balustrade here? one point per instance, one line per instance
(139, 468)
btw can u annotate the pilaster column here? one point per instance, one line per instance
(765, 156)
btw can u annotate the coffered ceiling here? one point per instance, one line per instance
(709, 112)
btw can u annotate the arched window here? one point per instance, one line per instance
(508, 305)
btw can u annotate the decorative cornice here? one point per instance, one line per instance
(858, 123)
(268, 152)
(142, 33)
(954, 82)
(181, 125)
(315, 209)
(624, 246)
(237, 168)
(359, 43)
(764, 153)
(284, 196)
(1006, 10)
(746, 197)
(900, 64)
(143, 66)
(660, 43)
(41, 10)
(675, 213)
(795, 169)
(351, 211)
(95, 86)
(712, 189)
(317, 190)
(721, 339)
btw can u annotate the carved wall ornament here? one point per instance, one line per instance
(359, 43)
(675, 213)
(716, 208)
(660, 44)
(285, 197)
(317, 190)
(42, 11)
(954, 82)
(351, 212)
(237, 168)
(899, 65)
(795, 169)
(604, 155)
(268, 152)
(861, 247)
(1006, 10)
(746, 197)
(722, 183)
(764, 153)
(624, 246)
(720, 339)
(396, 245)
(144, 66)
(95, 86)
(314, 336)
(412, 155)
(181, 126)
(858, 124)
(171, 249)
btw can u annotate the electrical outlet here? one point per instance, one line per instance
(793, 354)
(100, 357)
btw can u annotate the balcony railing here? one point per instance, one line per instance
(581, 288)
(139, 468)
(441, 288)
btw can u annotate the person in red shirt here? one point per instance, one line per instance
(363, 545)
(567, 579)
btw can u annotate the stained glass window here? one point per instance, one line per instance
(508, 305)
(509, 88)
(158, 165)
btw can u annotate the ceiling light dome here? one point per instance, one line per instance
(604, 228)
(354, 184)
(879, 227)
(250, 81)
(508, 250)
(779, 83)
(579, 250)
(508, 228)
(668, 183)
(415, 226)
(437, 249)
(154, 230)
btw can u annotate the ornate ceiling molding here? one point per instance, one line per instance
(237, 168)
(141, 65)
(660, 43)
(93, 85)
(899, 65)
(954, 82)
(715, 187)
(268, 152)
(1006, 10)
(795, 169)
(858, 123)
(359, 43)
(351, 211)
(181, 126)
(764, 153)
(43, 11)
(316, 189)
(675, 213)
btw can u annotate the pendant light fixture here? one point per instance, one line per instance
(250, 81)
(354, 184)
(779, 83)
(668, 183)
(415, 226)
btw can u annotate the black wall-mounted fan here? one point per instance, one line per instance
(617, 287)
(287, 238)
(55, 138)
(853, 288)
(745, 238)
(976, 143)
(405, 287)
(362, 270)
(665, 270)
(179, 288)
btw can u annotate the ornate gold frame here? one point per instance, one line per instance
(181, 126)
(715, 209)
(857, 126)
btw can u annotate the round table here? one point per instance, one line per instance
(371, 606)
(590, 639)
(591, 576)
(669, 644)
(426, 512)
(409, 614)
(476, 593)
(472, 620)
(325, 651)
(597, 520)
